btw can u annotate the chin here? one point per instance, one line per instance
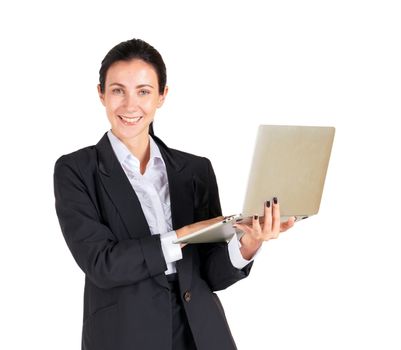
(126, 133)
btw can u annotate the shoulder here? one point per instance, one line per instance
(197, 162)
(189, 157)
(80, 156)
(79, 161)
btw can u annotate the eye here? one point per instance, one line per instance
(117, 91)
(143, 92)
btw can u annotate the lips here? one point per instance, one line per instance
(129, 120)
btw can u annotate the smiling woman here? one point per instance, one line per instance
(131, 97)
(123, 202)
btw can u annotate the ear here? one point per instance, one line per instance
(101, 95)
(162, 97)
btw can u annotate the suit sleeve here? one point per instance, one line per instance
(216, 265)
(107, 261)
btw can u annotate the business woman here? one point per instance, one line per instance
(122, 202)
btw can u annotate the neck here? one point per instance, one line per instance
(139, 146)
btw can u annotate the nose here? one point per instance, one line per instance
(131, 102)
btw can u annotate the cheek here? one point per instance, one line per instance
(151, 105)
(113, 104)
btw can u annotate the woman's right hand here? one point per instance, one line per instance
(186, 230)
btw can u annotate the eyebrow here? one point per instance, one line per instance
(138, 86)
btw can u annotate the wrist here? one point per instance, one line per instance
(249, 247)
(248, 242)
(182, 232)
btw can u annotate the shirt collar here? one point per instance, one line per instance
(122, 152)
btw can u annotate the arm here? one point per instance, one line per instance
(107, 261)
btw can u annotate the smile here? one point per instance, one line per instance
(129, 121)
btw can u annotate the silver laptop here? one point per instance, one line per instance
(289, 162)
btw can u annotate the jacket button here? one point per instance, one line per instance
(187, 296)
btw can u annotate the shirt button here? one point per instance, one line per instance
(187, 296)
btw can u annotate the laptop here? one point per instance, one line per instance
(289, 162)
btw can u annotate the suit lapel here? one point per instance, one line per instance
(180, 182)
(120, 190)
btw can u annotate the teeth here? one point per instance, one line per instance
(130, 120)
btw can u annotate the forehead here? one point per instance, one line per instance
(131, 72)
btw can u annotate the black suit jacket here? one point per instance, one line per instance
(126, 296)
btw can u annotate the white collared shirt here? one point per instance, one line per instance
(154, 195)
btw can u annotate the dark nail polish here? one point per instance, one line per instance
(255, 217)
(268, 204)
(275, 200)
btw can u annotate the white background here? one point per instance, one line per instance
(333, 282)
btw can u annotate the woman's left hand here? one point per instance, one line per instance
(256, 233)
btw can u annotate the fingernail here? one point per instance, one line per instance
(268, 204)
(255, 217)
(275, 200)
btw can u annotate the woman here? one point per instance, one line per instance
(120, 205)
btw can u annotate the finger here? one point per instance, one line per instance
(244, 228)
(288, 224)
(256, 226)
(267, 225)
(276, 218)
